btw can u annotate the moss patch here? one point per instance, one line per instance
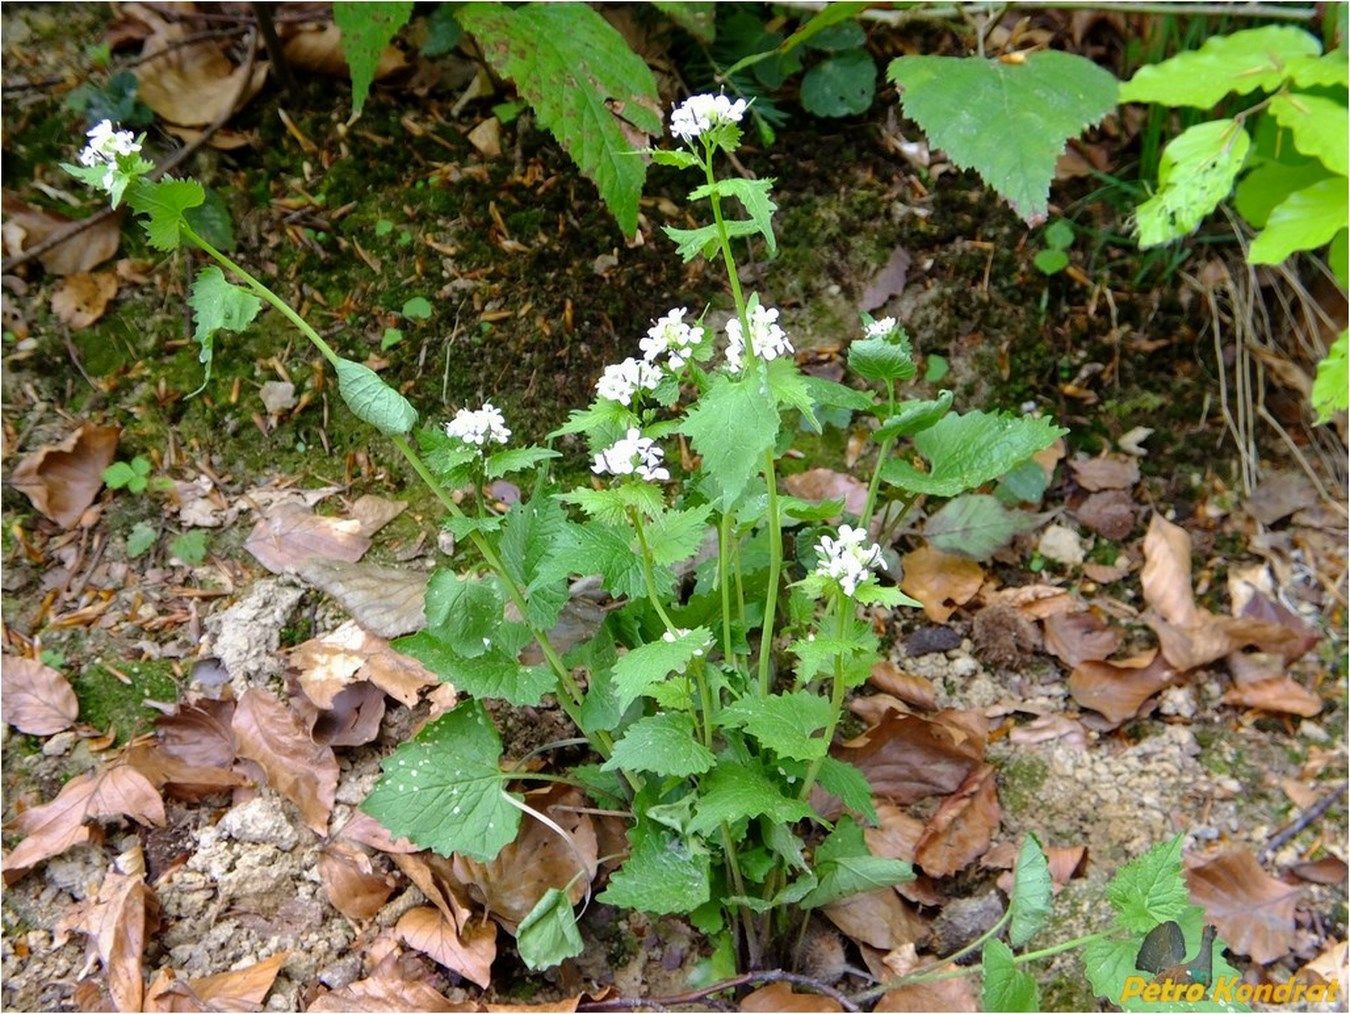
(106, 702)
(1021, 779)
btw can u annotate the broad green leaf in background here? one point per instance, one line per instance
(664, 744)
(595, 95)
(785, 723)
(654, 661)
(1005, 986)
(496, 672)
(611, 506)
(977, 525)
(211, 221)
(463, 613)
(1266, 185)
(549, 935)
(733, 791)
(1320, 128)
(596, 548)
(967, 450)
(443, 31)
(698, 19)
(1150, 888)
(1305, 220)
(843, 85)
(844, 866)
(847, 784)
(732, 407)
(366, 29)
(443, 788)
(1242, 62)
(1032, 893)
(1328, 70)
(676, 535)
(218, 305)
(664, 873)
(1007, 121)
(530, 534)
(163, 204)
(372, 400)
(516, 459)
(1196, 172)
(1331, 388)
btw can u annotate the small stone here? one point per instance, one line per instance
(342, 972)
(964, 920)
(1179, 701)
(261, 821)
(58, 745)
(1062, 545)
(930, 639)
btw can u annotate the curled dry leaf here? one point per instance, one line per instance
(1253, 911)
(908, 757)
(943, 582)
(63, 479)
(184, 781)
(434, 875)
(1110, 471)
(288, 536)
(954, 994)
(318, 47)
(349, 654)
(779, 996)
(818, 484)
(25, 227)
(879, 919)
(82, 298)
(387, 988)
(353, 720)
(35, 698)
(469, 951)
(271, 734)
(123, 912)
(242, 989)
(366, 830)
(1117, 690)
(895, 837)
(387, 601)
(916, 691)
(1074, 638)
(1282, 695)
(195, 84)
(1332, 965)
(199, 734)
(351, 882)
(962, 828)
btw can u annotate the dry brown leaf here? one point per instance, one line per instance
(468, 952)
(348, 654)
(1332, 965)
(63, 479)
(910, 757)
(25, 227)
(271, 734)
(288, 536)
(888, 282)
(1328, 870)
(1117, 690)
(916, 691)
(954, 994)
(894, 837)
(1074, 638)
(82, 298)
(199, 734)
(351, 883)
(184, 781)
(1111, 514)
(434, 875)
(244, 986)
(1111, 471)
(35, 698)
(366, 830)
(387, 989)
(374, 512)
(1034, 601)
(195, 84)
(1046, 728)
(1297, 637)
(1253, 911)
(877, 918)
(318, 47)
(779, 996)
(1280, 493)
(353, 720)
(818, 484)
(943, 582)
(962, 828)
(1282, 695)
(1166, 577)
(123, 912)
(387, 601)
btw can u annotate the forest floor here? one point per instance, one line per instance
(532, 289)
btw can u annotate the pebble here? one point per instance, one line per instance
(59, 745)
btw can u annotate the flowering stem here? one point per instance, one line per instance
(843, 613)
(775, 570)
(723, 565)
(648, 576)
(883, 452)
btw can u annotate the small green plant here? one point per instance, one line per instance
(190, 547)
(1053, 257)
(139, 540)
(133, 475)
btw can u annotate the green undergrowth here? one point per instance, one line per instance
(107, 703)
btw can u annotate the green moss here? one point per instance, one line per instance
(106, 702)
(1020, 780)
(1068, 992)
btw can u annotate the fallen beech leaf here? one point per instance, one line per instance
(351, 883)
(81, 298)
(25, 227)
(366, 830)
(1074, 638)
(962, 828)
(387, 601)
(943, 582)
(910, 757)
(1329, 870)
(1279, 494)
(468, 952)
(353, 720)
(1111, 471)
(1332, 965)
(954, 994)
(318, 47)
(819, 484)
(122, 912)
(374, 512)
(198, 735)
(1283, 695)
(1111, 514)
(1301, 638)
(270, 733)
(63, 479)
(779, 996)
(35, 698)
(894, 837)
(877, 918)
(1117, 690)
(1034, 601)
(288, 536)
(913, 690)
(184, 781)
(888, 282)
(1166, 577)
(1066, 862)
(1253, 911)
(1045, 728)
(1104, 573)
(195, 84)
(348, 654)
(244, 986)
(434, 875)
(386, 990)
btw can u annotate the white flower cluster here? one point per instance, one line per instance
(671, 336)
(633, 454)
(849, 559)
(479, 427)
(621, 381)
(767, 339)
(700, 113)
(880, 328)
(105, 144)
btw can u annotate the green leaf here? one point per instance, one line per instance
(604, 550)
(1008, 122)
(698, 19)
(1196, 172)
(912, 417)
(1267, 184)
(883, 358)
(1150, 889)
(140, 539)
(676, 157)
(1058, 234)
(785, 723)
(977, 525)
(843, 85)
(391, 337)
(417, 308)
(530, 535)
(1241, 62)
(754, 195)
(1305, 220)
(211, 221)
(654, 661)
(121, 475)
(847, 784)
(611, 506)
(664, 874)
(1032, 893)
(690, 243)
(1331, 388)
(495, 673)
(937, 367)
(464, 614)
(218, 305)
(1050, 262)
(742, 407)
(548, 935)
(832, 394)
(1319, 126)
(1005, 986)
(593, 93)
(517, 459)
(366, 29)
(844, 867)
(1329, 69)
(967, 450)
(190, 547)
(837, 38)
(163, 204)
(733, 792)
(443, 31)
(1109, 962)
(674, 536)
(664, 744)
(443, 789)
(372, 400)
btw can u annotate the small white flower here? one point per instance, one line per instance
(673, 337)
(479, 427)
(880, 328)
(700, 113)
(849, 559)
(767, 339)
(105, 144)
(633, 454)
(622, 381)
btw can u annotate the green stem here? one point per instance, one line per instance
(843, 609)
(883, 452)
(724, 241)
(724, 580)
(648, 575)
(775, 570)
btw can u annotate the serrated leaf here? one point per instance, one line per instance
(676, 157)
(190, 547)
(1009, 122)
(664, 744)
(691, 243)
(1331, 387)
(1319, 126)
(494, 673)
(977, 525)
(1196, 172)
(603, 423)
(218, 305)
(140, 539)
(593, 93)
(754, 195)
(844, 866)
(785, 723)
(611, 506)
(163, 204)
(1032, 893)
(530, 534)
(462, 613)
(652, 662)
(366, 29)
(745, 408)
(462, 527)
(883, 358)
(847, 784)
(843, 85)
(1109, 962)
(1305, 220)
(674, 536)
(832, 394)
(967, 450)
(549, 934)
(1242, 62)
(664, 873)
(790, 389)
(1005, 987)
(517, 459)
(601, 549)
(1150, 889)
(733, 792)
(698, 19)
(443, 789)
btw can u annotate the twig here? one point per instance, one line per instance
(1287, 833)
(746, 979)
(280, 65)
